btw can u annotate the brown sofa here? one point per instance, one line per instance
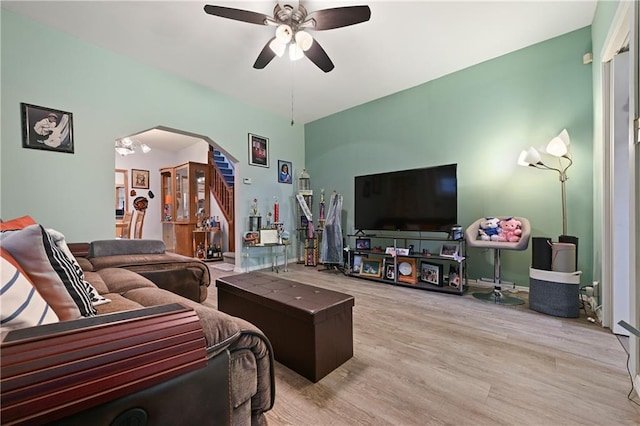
(179, 274)
(234, 384)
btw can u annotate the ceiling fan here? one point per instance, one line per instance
(292, 21)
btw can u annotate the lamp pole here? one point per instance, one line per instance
(563, 180)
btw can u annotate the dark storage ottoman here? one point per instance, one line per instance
(555, 293)
(310, 328)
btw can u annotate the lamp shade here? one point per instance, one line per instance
(295, 52)
(530, 157)
(278, 47)
(284, 33)
(124, 150)
(559, 146)
(304, 40)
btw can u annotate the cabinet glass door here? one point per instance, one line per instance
(182, 194)
(167, 195)
(201, 191)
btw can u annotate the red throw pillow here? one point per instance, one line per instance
(17, 223)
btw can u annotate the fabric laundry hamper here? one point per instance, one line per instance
(555, 293)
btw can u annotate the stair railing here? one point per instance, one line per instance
(224, 195)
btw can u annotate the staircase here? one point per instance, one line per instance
(222, 176)
(224, 166)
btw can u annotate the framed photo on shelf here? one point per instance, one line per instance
(431, 273)
(140, 179)
(454, 275)
(449, 250)
(258, 151)
(47, 128)
(389, 271)
(357, 263)
(371, 268)
(363, 244)
(407, 270)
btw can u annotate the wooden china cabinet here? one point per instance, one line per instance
(185, 197)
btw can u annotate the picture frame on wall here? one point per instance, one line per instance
(258, 150)
(47, 129)
(371, 268)
(140, 179)
(431, 273)
(284, 171)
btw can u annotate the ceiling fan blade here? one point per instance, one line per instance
(265, 56)
(237, 14)
(318, 56)
(328, 19)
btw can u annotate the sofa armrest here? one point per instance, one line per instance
(90, 361)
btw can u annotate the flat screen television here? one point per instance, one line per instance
(423, 199)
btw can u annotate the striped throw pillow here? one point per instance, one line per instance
(50, 270)
(22, 305)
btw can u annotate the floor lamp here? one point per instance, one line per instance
(557, 147)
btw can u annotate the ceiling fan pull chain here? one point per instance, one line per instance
(292, 85)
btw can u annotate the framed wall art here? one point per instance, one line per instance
(47, 128)
(407, 270)
(140, 179)
(258, 150)
(371, 268)
(284, 171)
(431, 273)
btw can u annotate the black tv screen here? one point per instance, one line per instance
(408, 200)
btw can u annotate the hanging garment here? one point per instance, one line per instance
(332, 237)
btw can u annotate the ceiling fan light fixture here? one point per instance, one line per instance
(295, 53)
(304, 40)
(145, 148)
(277, 47)
(284, 33)
(124, 151)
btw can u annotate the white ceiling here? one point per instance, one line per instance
(405, 43)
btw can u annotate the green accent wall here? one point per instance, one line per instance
(112, 96)
(480, 118)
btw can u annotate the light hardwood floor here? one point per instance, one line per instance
(424, 358)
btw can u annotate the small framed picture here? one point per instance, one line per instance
(258, 151)
(47, 128)
(449, 250)
(390, 271)
(431, 273)
(371, 268)
(284, 171)
(454, 275)
(140, 179)
(357, 263)
(363, 244)
(407, 270)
